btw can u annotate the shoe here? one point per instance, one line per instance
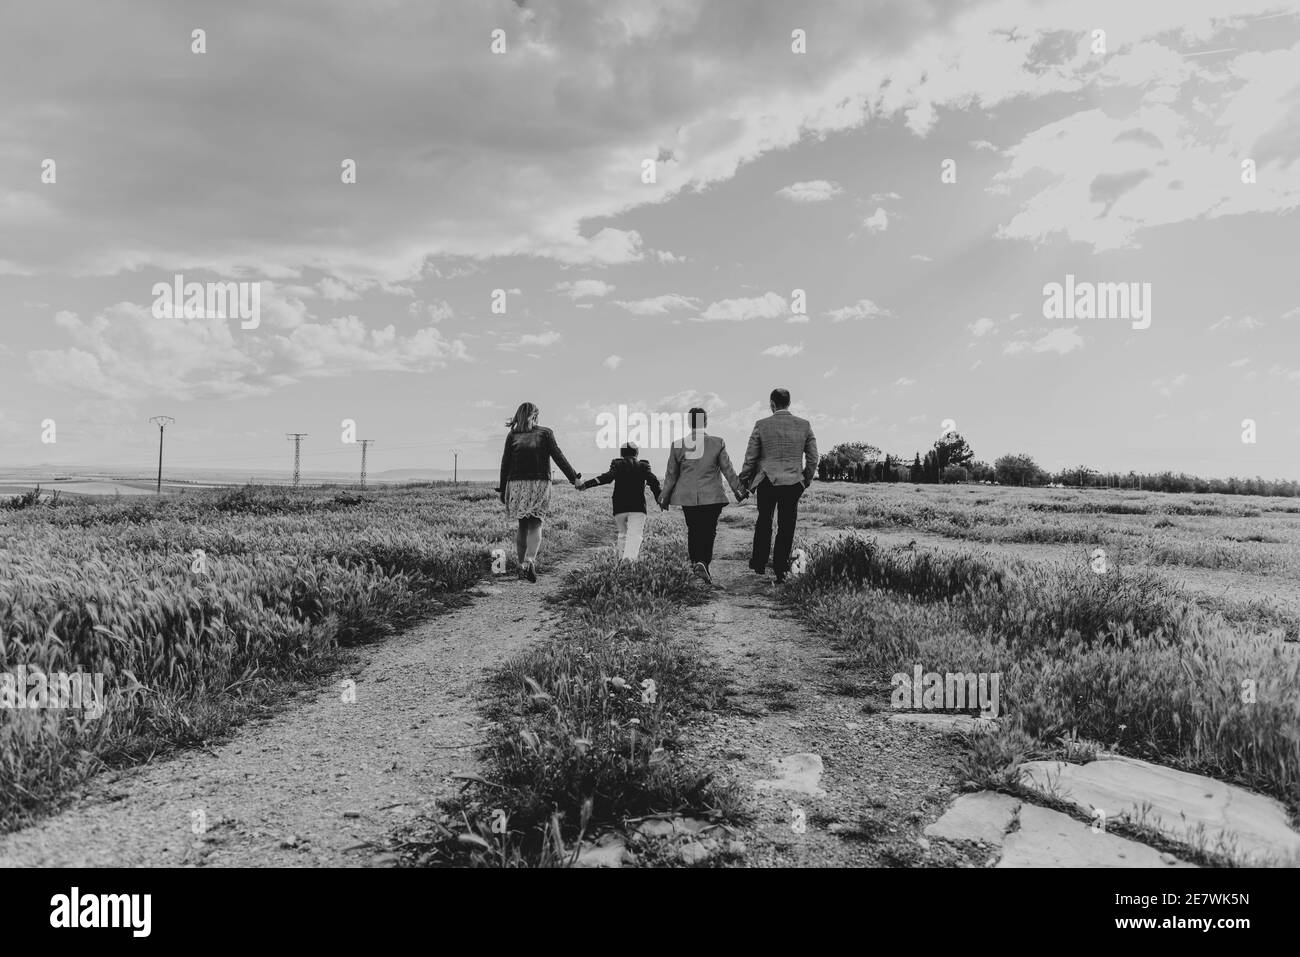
(530, 571)
(702, 573)
(757, 571)
(780, 578)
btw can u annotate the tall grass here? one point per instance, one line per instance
(580, 742)
(1119, 658)
(290, 578)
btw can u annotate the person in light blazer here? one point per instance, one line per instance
(696, 467)
(780, 463)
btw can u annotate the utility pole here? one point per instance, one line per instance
(455, 466)
(162, 421)
(364, 443)
(297, 450)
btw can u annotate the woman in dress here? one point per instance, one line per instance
(696, 469)
(525, 487)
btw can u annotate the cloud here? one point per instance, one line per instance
(1291, 313)
(767, 306)
(435, 311)
(983, 145)
(981, 326)
(331, 290)
(612, 362)
(783, 350)
(877, 222)
(1059, 341)
(862, 309)
(583, 288)
(812, 191)
(657, 305)
(1238, 363)
(1168, 387)
(124, 353)
(921, 258)
(1244, 324)
(548, 338)
(904, 382)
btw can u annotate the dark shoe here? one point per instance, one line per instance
(780, 578)
(702, 573)
(530, 572)
(757, 571)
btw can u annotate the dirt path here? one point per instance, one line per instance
(323, 783)
(881, 782)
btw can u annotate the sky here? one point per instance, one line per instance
(687, 202)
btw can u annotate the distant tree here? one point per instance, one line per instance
(1019, 469)
(917, 474)
(951, 450)
(855, 452)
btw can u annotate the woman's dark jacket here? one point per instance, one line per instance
(630, 479)
(528, 455)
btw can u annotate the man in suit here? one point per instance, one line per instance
(780, 463)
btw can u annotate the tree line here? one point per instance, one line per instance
(951, 459)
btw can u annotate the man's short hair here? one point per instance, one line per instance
(781, 398)
(697, 417)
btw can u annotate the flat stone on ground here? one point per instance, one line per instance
(985, 816)
(1051, 839)
(800, 772)
(1233, 818)
(941, 721)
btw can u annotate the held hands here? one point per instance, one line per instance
(741, 495)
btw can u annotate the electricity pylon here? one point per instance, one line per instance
(297, 453)
(364, 443)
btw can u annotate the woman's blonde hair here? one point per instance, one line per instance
(525, 418)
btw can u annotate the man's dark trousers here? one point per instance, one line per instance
(784, 500)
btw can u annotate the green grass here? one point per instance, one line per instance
(1122, 659)
(291, 578)
(577, 746)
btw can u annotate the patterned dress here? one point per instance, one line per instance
(528, 498)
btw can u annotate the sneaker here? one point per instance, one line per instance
(530, 571)
(702, 573)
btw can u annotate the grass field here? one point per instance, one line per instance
(187, 647)
(1183, 652)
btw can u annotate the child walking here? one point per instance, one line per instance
(630, 478)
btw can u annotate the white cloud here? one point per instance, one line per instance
(921, 258)
(548, 338)
(1168, 387)
(878, 221)
(583, 288)
(657, 305)
(812, 191)
(124, 353)
(1238, 363)
(1244, 324)
(862, 309)
(783, 350)
(612, 362)
(767, 306)
(435, 311)
(332, 290)
(981, 326)
(983, 145)
(904, 381)
(1059, 341)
